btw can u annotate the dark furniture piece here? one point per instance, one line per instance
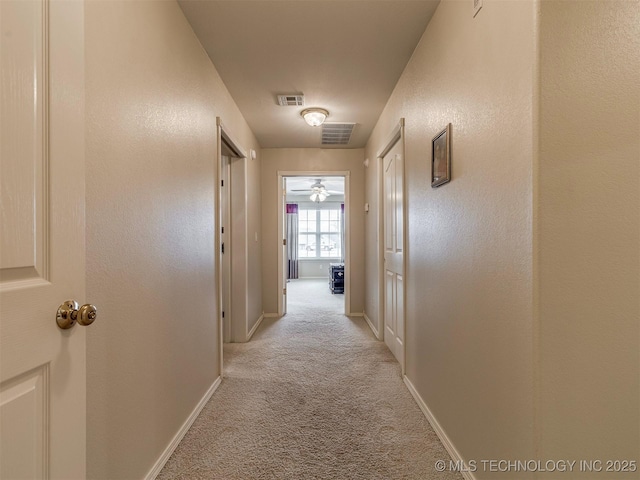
(336, 277)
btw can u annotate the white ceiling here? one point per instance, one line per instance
(344, 55)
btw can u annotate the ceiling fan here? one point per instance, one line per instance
(319, 192)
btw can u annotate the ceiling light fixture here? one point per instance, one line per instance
(318, 197)
(318, 192)
(314, 116)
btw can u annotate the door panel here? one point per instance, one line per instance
(42, 368)
(399, 330)
(24, 209)
(389, 312)
(389, 217)
(393, 252)
(23, 410)
(398, 203)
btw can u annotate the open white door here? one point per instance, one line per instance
(42, 246)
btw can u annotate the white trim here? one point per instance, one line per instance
(373, 329)
(231, 142)
(255, 327)
(271, 315)
(359, 314)
(405, 245)
(216, 244)
(223, 135)
(225, 192)
(347, 234)
(280, 202)
(442, 435)
(245, 178)
(173, 444)
(380, 245)
(396, 135)
(347, 244)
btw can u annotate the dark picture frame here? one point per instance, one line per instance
(441, 157)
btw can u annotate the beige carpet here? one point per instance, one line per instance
(313, 396)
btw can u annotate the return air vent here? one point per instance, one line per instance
(295, 100)
(337, 133)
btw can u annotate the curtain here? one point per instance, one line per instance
(342, 232)
(292, 239)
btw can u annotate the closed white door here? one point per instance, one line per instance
(42, 367)
(394, 252)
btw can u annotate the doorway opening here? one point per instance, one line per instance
(229, 154)
(225, 239)
(314, 230)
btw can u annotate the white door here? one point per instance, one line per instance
(42, 367)
(393, 252)
(225, 242)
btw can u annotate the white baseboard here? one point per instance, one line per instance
(356, 314)
(270, 315)
(373, 329)
(448, 444)
(255, 327)
(155, 470)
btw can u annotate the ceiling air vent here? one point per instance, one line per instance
(337, 133)
(295, 100)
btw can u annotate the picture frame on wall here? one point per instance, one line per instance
(441, 157)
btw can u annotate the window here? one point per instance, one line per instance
(320, 232)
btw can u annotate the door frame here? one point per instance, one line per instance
(397, 135)
(347, 232)
(222, 135)
(225, 258)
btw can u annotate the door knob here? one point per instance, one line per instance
(69, 313)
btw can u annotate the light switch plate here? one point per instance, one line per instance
(477, 5)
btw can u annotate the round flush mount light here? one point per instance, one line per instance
(314, 116)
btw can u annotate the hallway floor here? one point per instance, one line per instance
(313, 396)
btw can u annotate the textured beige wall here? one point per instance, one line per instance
(301, 160)
(589, 231)
(469, 255)
(152, 99)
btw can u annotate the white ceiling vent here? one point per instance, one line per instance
(295, 100)
(337, 133)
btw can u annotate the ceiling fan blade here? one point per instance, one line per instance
(308, 190)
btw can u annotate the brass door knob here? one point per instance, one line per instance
(69, 314)
(87, 314)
